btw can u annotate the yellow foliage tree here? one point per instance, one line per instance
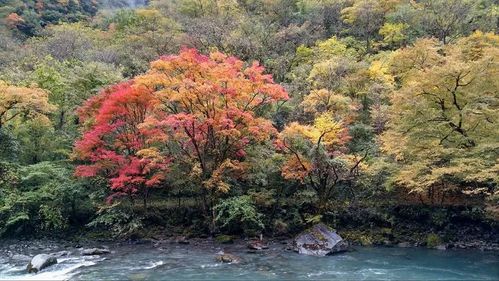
(443, 120)
(316, 156)
(23, 102)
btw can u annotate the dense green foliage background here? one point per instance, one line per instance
(364, 55)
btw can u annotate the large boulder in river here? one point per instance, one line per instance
(319, 240)
(40, 262)
(95, 251)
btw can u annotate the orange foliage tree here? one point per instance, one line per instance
(199, 112)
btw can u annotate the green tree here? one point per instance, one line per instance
(42, 198)
(394, 33)
(70, 83)
(367, 16)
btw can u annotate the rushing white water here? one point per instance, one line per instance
(173, 261)
(66, 268)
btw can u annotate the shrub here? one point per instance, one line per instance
(40, 198)
(120, 221)
(433, 240)
(52, 218)
(238, 214)
(280, 227)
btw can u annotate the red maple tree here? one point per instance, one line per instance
(116, 146)
(201, 111)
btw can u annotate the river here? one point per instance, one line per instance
(196, 262)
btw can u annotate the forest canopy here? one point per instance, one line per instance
(248, 116)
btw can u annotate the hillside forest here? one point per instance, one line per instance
(246, 117)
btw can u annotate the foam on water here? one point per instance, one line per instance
(63, 270)
(211, 265)
(154, 264)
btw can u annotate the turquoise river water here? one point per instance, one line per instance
(197, 262)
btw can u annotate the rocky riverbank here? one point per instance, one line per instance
(24, 250)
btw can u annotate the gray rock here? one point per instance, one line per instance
(319, 240)
(387, 243)
(182, 240)
(227, 258)
(404, 245)
(442, 247)
(257, 245)
(40, 262)
(95, 251)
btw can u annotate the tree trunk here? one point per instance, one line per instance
(61, 120)
(277, 202)
(368, 44)
(213, 214)
(146, 194)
